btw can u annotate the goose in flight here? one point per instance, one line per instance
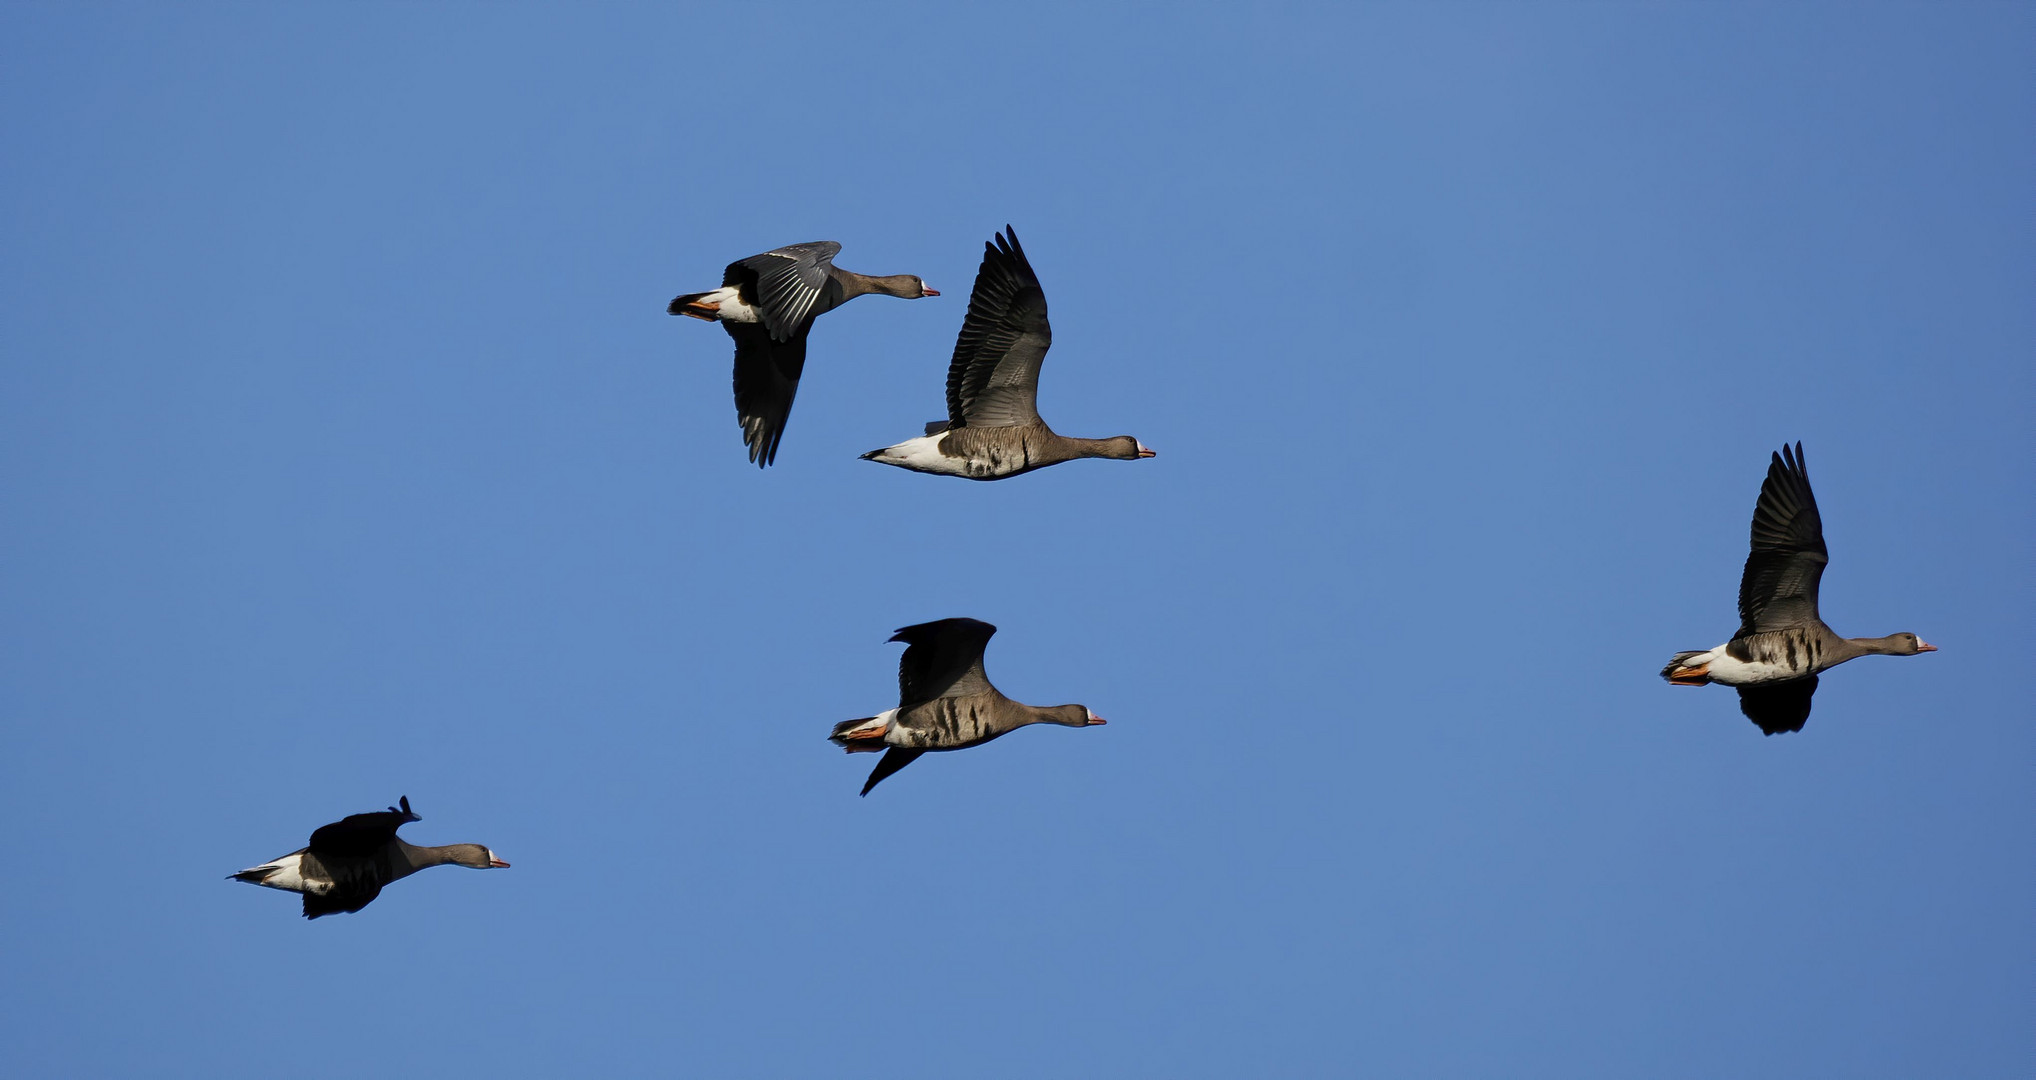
(347, 862)
(767, 303)
(993, 429)
(1782, 643)
(945, 701)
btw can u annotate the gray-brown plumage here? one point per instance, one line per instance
(945, 701)
(993, 429)
(1782, 643)
(767, 303)
(348, 862)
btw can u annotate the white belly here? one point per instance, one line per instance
(923, 455)
(1731, 671)
(287, 874)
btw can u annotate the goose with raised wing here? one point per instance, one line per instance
(767, 303)
(348, 862)
(1782, 643)
(945, 701)
(993, 429)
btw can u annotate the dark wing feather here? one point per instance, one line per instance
(897, 757)
(993, 380)
(1778, 707)
(356, 881)
(942, 659)
(1778, 590)
(766, 379)
(360, 835)
(786, 284)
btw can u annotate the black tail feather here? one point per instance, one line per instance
(1669, 671)
(845, 727)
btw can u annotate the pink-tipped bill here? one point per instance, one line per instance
(1924, 646)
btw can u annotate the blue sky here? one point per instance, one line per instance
(352, 455)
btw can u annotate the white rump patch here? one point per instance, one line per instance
(923, 455)
(287, 874)
(732, 309)
(879, 722)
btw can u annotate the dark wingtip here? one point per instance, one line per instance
(1789, 458)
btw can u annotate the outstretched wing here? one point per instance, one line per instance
(942, 659)
(787, 283)
(1778, 590)
(766, 379)
(897, 757)
(993, 380)
(1778, 707)
(360, 835)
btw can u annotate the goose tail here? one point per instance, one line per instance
(691, 304)
(864, 735)
(1689, 668)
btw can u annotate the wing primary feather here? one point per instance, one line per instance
(1786, 552)
(897, 757)
(942, 659)
(993, 378)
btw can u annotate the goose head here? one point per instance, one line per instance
(1907, 644)
(474, 855)
(1124, 448)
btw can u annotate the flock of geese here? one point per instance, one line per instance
(767, 303)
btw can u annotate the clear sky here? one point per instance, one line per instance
(349, 454)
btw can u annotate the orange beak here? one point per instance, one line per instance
(929, 290)
(1924, 646)
(497, 864)
(1094, 720)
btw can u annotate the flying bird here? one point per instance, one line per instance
(347, 862)
(1782, 644)
(945, 702)
(767, 303)
(993, 429)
